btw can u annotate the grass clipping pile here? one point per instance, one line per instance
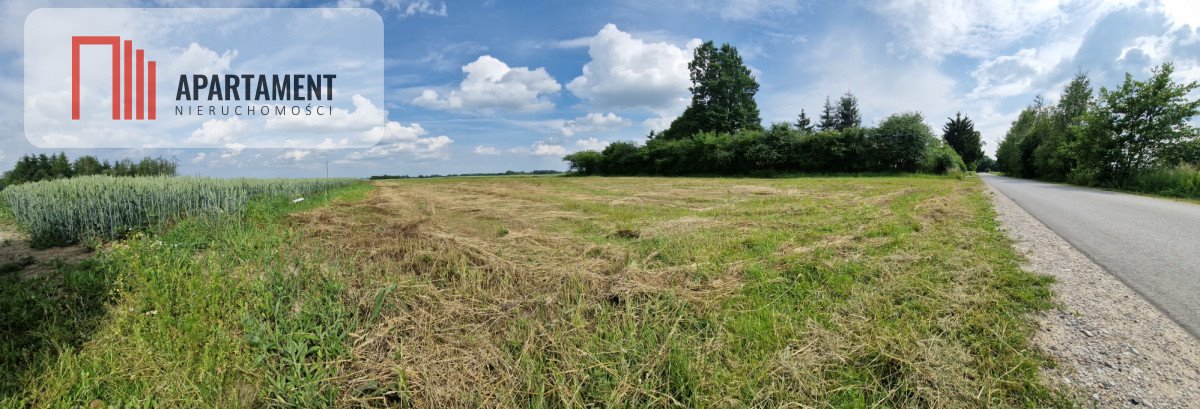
(681, 292)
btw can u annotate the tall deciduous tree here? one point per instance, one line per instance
(1015, 155)
(961, 135)
(1053, 158)
(1076, 98)
(722, 94)
(1133, 127)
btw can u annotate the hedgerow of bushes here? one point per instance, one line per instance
(901, 143)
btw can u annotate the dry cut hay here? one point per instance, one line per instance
(444, 294)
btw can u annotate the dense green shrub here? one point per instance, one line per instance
(832, 151)
(624, 158)
(585, 162)
(1180, 181)
(943, 159)
(902, 143)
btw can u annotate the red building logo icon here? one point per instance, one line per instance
(145, 78)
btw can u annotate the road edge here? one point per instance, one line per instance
(1094, 260)
(1114, 348)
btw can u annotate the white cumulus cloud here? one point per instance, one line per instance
(216, 132)
(591, 144)
(365, 116)
(627, 72)
(486, 150)
(657, 124)
(594, 122)
(546, 149)
(200, 60)
(232, 150)
(492, 84)
(395, 138)
(1181, 12)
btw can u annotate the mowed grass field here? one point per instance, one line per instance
(558, 292)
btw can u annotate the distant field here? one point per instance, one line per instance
(561, 291)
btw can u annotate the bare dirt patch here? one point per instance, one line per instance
(1114, 348)
(6, 236)
(16, 257)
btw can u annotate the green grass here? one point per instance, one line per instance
(551, 292)
(45, 316)
(211, 313)
(633, 292)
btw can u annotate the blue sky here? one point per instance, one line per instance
(494, 85)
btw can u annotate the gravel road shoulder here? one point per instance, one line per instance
(1114, 348)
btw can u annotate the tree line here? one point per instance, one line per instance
(721, 133)
(1137, 136)
(34, 168)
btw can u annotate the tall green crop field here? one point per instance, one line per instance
(67, 211)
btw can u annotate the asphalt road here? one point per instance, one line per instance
(1153, 245)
